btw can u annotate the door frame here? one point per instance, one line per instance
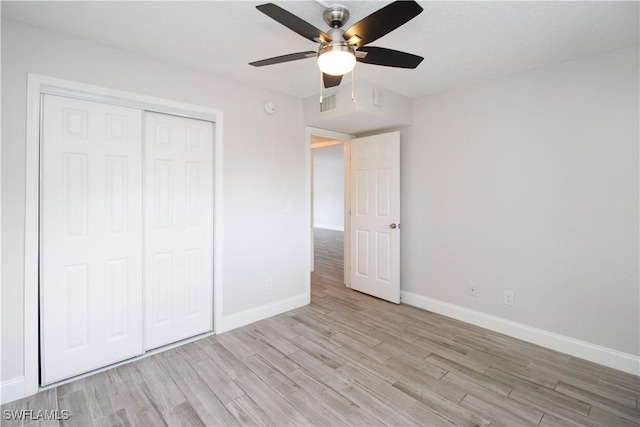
(37, 85)
(346, 139)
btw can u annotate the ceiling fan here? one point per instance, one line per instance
(340, 49)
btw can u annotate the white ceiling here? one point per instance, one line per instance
(462, 42)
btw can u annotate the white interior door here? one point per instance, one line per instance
(178, 244)
(91, 235)
(375, 215)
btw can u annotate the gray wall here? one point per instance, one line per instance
(530, 183)
(264, 167)
(328, 187)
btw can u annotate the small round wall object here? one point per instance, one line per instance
(270, 107)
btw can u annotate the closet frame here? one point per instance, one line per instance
(39, 85)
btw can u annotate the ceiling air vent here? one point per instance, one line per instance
(328, 103)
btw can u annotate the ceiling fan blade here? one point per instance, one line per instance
(382, 22)
(292, 22)
(283, 58)
(389, 57)
(331, 81)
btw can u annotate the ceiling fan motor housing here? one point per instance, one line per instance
(336, 16)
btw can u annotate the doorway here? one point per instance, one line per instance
(328, 210)
(371, 236)
(329, 202)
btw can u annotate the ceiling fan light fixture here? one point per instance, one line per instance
(336, 59)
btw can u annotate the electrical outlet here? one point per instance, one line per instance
(473, 289)
(508, 297)
(269, 284)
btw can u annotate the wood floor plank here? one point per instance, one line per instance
(319, 370)
(471, 374)
(183, 415)
(99, 392)
(119, 418)
(379, 409)
(427, 416)
(322, 339)
(225, 388)
(515, 374)
(518, 409)
(275, 379)
(233, 342)
(362, 418)
(556, 419)
(351, 348)
(200, 394)
(498, 415)
(77, 403)
(274, 338)
(445, 408)
(278, 360)
(225, 359)
(609, 405)
(162, 390)
(322, 354)
(376, 385)
(279, 411)
(313, 409)
(619, 393)
(348, 332)
(549, 401)
(342, 406)
(457, 356)
(247, 412)
(605, 417)
(418, 382)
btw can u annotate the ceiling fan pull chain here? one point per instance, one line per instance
(353, 87)
(321, 86)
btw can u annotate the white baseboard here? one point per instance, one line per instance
(584, 350)
(329, 227)
(11, 390)
(246, 317)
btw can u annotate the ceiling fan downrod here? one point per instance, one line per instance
(336, 16)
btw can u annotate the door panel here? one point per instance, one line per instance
(91, 235)
(178, 228)
(375, 246)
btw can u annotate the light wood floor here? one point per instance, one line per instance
(349, 359)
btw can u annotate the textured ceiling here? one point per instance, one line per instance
(462, 42)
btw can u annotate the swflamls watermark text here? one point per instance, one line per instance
(35, 415)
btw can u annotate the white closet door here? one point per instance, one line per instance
(178, 243)
(91, 236)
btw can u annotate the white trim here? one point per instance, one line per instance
(246, 317)
(37, 85)
(329, 227)
(11, 390)
(584, 350)
(322, 144)
(346, 237)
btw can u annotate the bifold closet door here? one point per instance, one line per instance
(90, 236)
(178, 218)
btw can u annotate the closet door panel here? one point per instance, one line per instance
(178, 242)
(91, 236)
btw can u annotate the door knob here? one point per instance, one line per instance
(393, 225)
